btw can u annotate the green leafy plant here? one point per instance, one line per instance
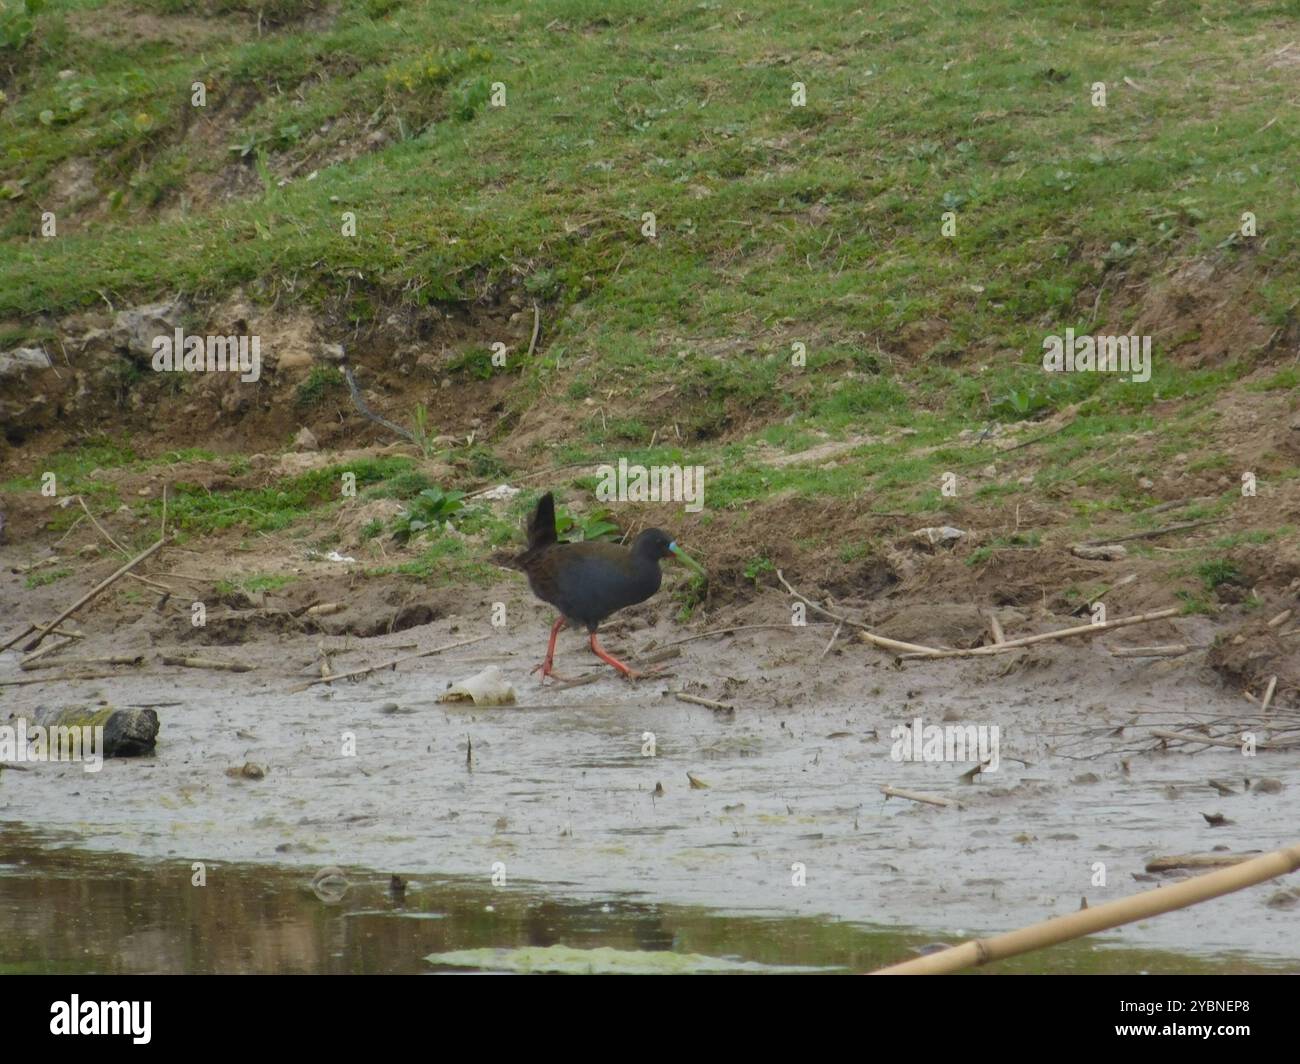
(313, 389)
(18, 22)
(757, 567)
(432, 508)
(420, 430)
(1020, 404)
(595, 525)
(1218, 571)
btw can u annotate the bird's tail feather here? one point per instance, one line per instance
(541, 526)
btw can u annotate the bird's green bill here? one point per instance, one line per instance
(681, 554)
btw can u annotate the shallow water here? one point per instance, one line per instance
(558, 795)
(68, 910)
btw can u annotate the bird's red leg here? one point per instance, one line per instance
(545, 666)
(609, 659)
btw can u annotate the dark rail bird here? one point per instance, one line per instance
(587, 582)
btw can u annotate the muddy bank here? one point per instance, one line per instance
(559, 793)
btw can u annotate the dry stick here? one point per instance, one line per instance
(1176, 504)
(1083, 629)
(58, 679)
(152, 583)
(107, 659)
(71, 528)
(537, 331)
(101, 528)
(1103, 917)
(51, 629)
(995, 627)
(1261, 744)
(1153, 533)
(743, 628)
(21, 635)
(1197, 860)
(205, 663)
(1172, 650)
(49, 648)
(1268, 694)
(386, 664)
(682, 696)
(831, 642)
(866, 633)
(88, 596)
(531, 476)
(916, 796)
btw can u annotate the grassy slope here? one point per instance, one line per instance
(776, 224)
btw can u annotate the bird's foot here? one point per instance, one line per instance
(546, 670)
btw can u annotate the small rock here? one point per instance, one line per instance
(1268, 785)
(247, 771)
(136, 328)
(1108, 552)
(305, 440)
(937, 536)
(23, 360)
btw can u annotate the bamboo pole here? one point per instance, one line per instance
(126, 568)
(1083, 629)
(29, 663)
(1103, 917)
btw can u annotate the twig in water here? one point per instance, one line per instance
(1173, 650)
(385, 664)
(1261, 744)
(915, 796)
(682, 696)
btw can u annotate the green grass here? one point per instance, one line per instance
(194, 509)
(257, 582)
(779, 228)
(45, 577)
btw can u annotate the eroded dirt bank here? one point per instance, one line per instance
(559, 791)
